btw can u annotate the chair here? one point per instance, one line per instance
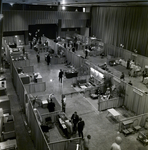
(136, 127)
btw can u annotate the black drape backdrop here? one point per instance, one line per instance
(122, 25)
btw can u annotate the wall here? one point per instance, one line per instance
(122, 25)
(19, 20)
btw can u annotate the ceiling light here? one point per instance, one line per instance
(63, 2)
(63, 7)
(1, 16)
(34, 3)
(11, 4)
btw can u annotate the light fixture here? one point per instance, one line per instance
(76, 10)
(84, 9)
(15, 36)
(1, 16)
(121, 45)
(11, 4)
(63, 2)
(63, 7)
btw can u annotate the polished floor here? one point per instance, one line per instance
(102, 129)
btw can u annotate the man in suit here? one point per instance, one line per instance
(51, 106)
(60, 75)
(81, 125)
(75, 119)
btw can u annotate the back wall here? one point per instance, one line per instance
(122, 25)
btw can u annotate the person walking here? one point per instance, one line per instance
(63, 103)
(86, 142)
(38, 57)
(86, 53)
(60, 75)
(48, 59)
(75, 119)
(81, 125)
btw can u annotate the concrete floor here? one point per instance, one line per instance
(102, 129)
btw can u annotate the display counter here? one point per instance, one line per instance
(9, 144)
(71, 74)
(105, 103)
(5, 104)
(25, 78)
(65, 124)
(3, 91)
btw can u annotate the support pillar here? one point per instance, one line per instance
(1, 32)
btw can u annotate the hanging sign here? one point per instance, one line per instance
(138, 92)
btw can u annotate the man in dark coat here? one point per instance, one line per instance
(75, 119)
(51, 106)
(60, 75)
(81, 125)
(48, 59)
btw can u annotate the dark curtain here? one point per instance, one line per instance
(122, 25)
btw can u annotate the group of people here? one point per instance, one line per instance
(78, 124)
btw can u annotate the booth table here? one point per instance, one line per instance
(71, 74)
(4, 83)
(114, 113)
(2, 91)
(25, 78)
(39, 77)
(145, 81)
(9, 144)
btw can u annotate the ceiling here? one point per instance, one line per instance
(80, 3)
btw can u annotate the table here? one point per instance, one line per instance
(113, 112)
(8, 144)
(128, 122)
(2, 91)
(145, 81)
(25, 78)
(4, 83)
(39, 77)
(71, 74)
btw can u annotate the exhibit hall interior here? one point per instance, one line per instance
(73, 75)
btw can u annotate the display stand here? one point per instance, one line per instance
(143, 137)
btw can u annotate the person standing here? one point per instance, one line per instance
(75, 119)
(48, 59)
(122, 76)
(81, 125)
(60, 75)
(38, 57)
(51, 106)
(86, 53)
(116, 144)
(86, 142)
(63, 103)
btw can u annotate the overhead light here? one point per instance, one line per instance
(84, 9)
(1, 16)
(16, 36)
(34, 3)
(76, 10)
(63, 7)
(11, 4)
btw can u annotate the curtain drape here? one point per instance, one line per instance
(122, 25)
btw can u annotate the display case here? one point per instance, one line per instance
(96, 76)
(143, 137)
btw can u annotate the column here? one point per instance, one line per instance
(1, 31)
